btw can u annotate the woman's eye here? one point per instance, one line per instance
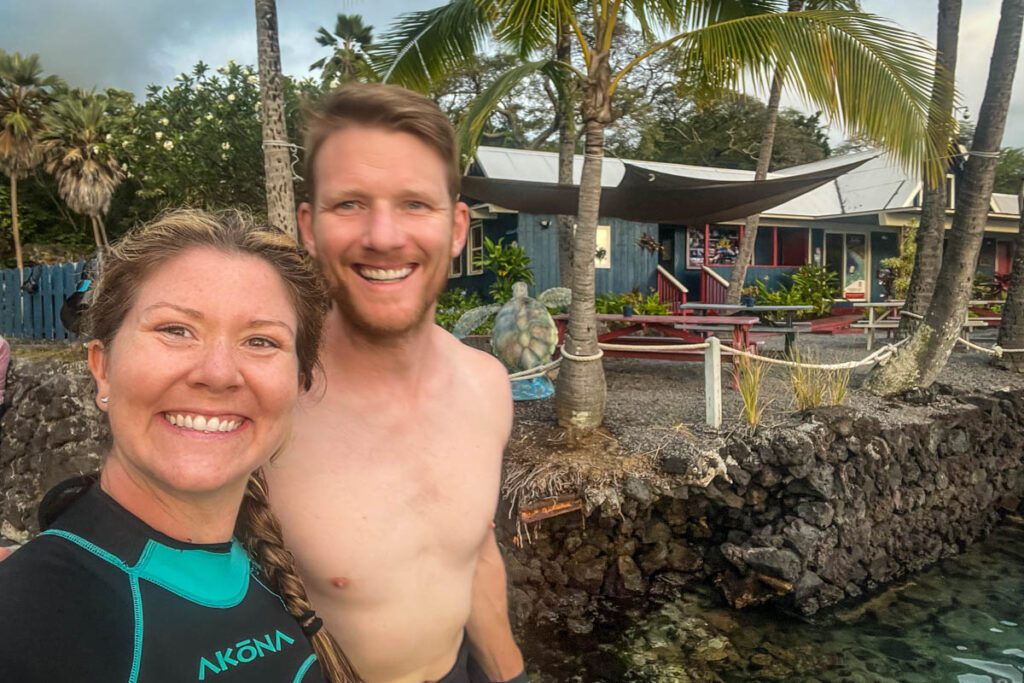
(263, 343)
(175, 330)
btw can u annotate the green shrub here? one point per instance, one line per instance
(642, 304)
(808, 286)
(510, 265)
(453, 303)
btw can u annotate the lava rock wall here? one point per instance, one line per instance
(51, 430)
(805, 516)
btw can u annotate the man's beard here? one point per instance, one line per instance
(379, 329)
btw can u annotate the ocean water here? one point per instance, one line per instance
(960, 621)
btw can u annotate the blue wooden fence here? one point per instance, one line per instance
(37, 316)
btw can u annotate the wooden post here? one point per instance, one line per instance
(713, 382)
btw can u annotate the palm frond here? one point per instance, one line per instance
(475, 117)
(867, 74)
(528, 26)
(422, 47)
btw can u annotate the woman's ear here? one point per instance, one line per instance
(97, 356)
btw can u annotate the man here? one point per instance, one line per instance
(388, 488)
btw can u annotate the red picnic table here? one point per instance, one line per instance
(688, 329)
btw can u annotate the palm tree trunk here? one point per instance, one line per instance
(103, 231)
(581, 390)
(920, 361)
(932, 230)
(276, 161)
(15, 231)
(566, 153)
(1011, 328)
(96, 232)
(764, 158)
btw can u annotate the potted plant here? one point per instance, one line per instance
(748, 296)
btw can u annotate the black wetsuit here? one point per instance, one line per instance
(100, 596)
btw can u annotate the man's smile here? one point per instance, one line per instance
(394, 274)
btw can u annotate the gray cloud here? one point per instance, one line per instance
(131, 43)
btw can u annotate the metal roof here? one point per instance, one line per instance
(879, 185)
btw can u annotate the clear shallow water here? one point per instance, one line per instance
(962, 621)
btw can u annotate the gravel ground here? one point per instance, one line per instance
(658, 405)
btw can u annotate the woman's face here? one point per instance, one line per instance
(202, 375)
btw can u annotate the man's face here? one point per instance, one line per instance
(383, 228)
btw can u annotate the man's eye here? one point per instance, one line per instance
(347, 205)
(415, 205)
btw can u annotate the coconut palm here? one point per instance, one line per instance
(77, 154)
(919, 362)
(276, 151)
(349, 43)
(24, 91)
(737, 278)
(866, 73)
(1011, 327)
(932, 230)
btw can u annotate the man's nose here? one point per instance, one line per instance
(384, 231)
(217, 367)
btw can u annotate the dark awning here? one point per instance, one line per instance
(653, 197)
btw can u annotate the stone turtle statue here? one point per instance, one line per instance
(524, 335)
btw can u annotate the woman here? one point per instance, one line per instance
(205, 329)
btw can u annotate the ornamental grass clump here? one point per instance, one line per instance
(750, 375)
(814, 387)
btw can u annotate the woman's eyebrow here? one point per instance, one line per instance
(190, 312)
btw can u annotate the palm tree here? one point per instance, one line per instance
(919, 362)
(745, 256)
(1011, 328)
(865, 72)
(77, 154)
(23, 94)
(932, 230)
(276, 148)
(349, 44)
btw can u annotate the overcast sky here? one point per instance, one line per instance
(131, 43)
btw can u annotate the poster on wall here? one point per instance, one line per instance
(723, 245)
(694, 248)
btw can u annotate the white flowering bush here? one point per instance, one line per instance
(199, 140)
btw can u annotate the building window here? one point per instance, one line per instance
(603, 256)
(455, 267)
(475, 265)
(723, 245)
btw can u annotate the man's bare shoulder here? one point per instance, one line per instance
(481, 373)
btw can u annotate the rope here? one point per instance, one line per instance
(294, 153)
(996, 350)
(880, 356)
(534, 372)
(581, 359)
(654, 347)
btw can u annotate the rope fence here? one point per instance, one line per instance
(714, 348)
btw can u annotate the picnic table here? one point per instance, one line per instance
(681, 329)
(889, 319)
(769, 324)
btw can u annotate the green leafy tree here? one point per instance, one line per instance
(862, 71)
(1010, 170)
(24, 91)
(77, 145)
(198, 142)
(349, 44)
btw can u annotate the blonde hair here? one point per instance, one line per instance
(388, 107)
(124, 271)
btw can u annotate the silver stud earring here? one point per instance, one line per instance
(104, 399)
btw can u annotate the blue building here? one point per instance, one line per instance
(848, 225)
